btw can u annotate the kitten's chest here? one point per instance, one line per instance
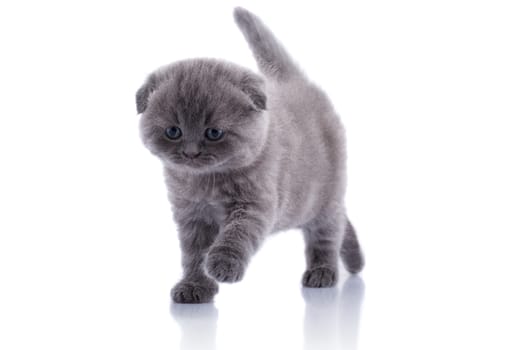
(204, 196)
(207, 190)
(210, 196)
(199, 189)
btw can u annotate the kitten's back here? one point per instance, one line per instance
(308, 136)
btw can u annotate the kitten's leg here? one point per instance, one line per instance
(351, 252)
(245, 227)
(323, 241)
(196, 237)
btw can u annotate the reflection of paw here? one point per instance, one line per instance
(320, 277)
(225, 264)
(194, 291)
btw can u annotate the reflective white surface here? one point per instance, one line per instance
(331, 319)
(432, 97)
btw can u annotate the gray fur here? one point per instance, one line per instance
(271, 57)
(280, 164)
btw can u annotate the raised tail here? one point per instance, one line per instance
(272, 59)
(351, 253)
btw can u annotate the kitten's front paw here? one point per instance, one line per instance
(225, 264)
(194, 292)
(320, 277)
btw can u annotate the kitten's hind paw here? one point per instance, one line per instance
(320, 277)
(225, 265)
(194, 292)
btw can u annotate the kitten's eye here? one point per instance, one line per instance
(173, 132)
(214, 134)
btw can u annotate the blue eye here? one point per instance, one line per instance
(173, 132)
(214, 134)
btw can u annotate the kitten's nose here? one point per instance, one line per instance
(191, 155)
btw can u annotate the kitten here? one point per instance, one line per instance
(245, 156)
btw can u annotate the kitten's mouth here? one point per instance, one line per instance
(191, 163)
(196, 164)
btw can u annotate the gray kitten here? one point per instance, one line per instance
(245, 156)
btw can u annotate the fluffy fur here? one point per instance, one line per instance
(279, 165)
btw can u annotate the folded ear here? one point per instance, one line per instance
(143, 93)
(253, 86)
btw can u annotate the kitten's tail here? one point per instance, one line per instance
(351, 253)
(272, 59)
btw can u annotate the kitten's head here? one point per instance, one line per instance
(203, 115)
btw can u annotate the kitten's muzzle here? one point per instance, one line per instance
(191, 155)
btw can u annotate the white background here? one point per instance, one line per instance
(432, 94)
